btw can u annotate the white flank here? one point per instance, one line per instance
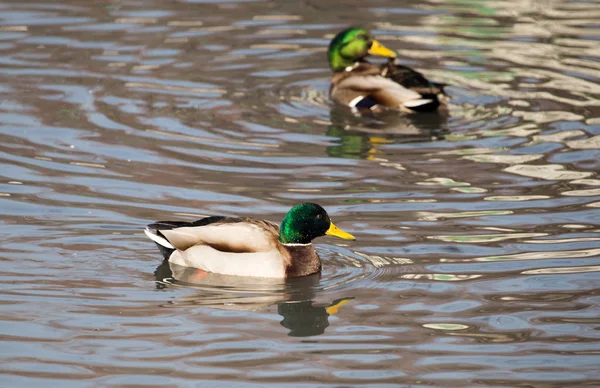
(371, 84)
(260, 264)
(415, 103)
(157, 239)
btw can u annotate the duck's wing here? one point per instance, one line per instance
(365, 87)
(412, 79)
(166, 225)
(224, 234)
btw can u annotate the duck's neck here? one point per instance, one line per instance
(339, 63)
(303, 260)
(343, 65)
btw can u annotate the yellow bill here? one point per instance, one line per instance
(335, 306)
(380, 50)
(380, 140)
(337, 232)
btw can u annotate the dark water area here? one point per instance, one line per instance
(477, 257)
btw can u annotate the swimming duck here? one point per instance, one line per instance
(247, 246)
(363, 85)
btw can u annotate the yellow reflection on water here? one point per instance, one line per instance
(469, 190)
(582, 193)
(445, 326)
(515, 198)
(84, 164)
(444, 277)
(541, 255)
(382, 261)
(496, 338)
(525, 130)
(548, 116)
(429, 216)
(561, 270)
(558, 137)
(277, 17)
(589, 182)
(212, 140)
(472, 151)
(185, 23)
(562, 240)
(485, 238)
(586, 144)
(136, 20)
(442, 182)
(14, 28)
(282, 32)
(506, 159)
(275, 46)
(547, 171)
(148, 85)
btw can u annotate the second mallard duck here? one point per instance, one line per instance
(247, 246)
(363, 85)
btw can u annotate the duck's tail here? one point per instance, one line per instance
(427, 104)
(416, 103)
(165, 247)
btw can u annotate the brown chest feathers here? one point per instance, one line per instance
(304, 260)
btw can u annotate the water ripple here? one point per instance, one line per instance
(478, 251)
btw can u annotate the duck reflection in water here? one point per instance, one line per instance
(363, 133)
(304, 319)
(293, 297)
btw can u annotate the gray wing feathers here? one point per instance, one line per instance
(231, 237)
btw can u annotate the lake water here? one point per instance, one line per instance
(477, 260)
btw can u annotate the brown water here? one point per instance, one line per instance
(478, 254)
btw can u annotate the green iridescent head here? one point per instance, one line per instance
(307, 221)
(352, 45)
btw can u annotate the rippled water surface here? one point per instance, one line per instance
(477, 257)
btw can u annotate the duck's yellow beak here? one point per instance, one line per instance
(380, 50)
(337, 232)
(335, 306)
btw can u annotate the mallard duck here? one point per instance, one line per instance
(363, 85)
(247, 246)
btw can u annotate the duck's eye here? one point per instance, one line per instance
(319, 216)
(362, 37)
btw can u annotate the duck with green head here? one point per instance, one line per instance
(248, 246)
(363, 85)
